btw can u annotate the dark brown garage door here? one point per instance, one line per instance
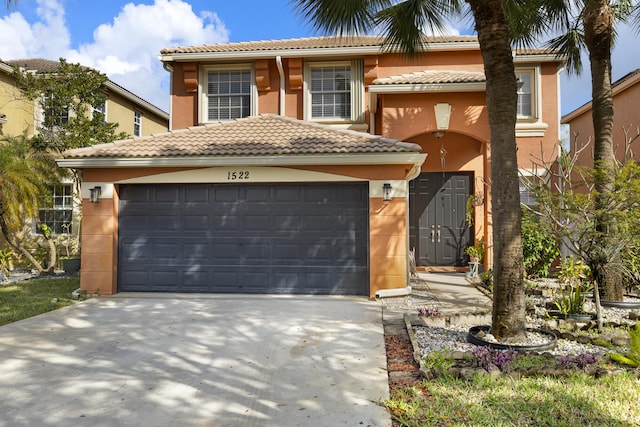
(282, 238)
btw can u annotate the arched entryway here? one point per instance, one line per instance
(441, 222)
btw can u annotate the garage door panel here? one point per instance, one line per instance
(264, 238)
(196, 223)
(195, 195)
(166, 222)
(226, 194)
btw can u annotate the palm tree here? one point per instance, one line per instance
(591, 24)
(403, 23)
(24, 176)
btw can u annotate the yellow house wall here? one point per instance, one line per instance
(121, 111)
(19, 111)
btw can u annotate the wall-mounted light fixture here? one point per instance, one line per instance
(386, 192)
(95, 194)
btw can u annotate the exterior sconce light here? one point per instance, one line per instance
(95, 194)
(386, 192)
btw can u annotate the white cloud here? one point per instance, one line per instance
(47, 38)
(126, 49)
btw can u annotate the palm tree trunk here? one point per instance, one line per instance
(508, 318)
(603, 257)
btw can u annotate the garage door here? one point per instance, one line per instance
(284, 238)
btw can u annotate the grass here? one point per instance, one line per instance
(578, 400)
(21, 300)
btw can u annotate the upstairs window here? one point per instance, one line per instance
(331, 92)
(100, 110)
(526, 101)
(54, 112)
(57, 209)
(137, 123)
(228, 94)
(334, 91)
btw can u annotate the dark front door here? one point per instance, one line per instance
(252, 238)
(437, 226)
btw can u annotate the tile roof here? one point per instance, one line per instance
(629, 76)
(35, 64)
(327, 42)
(252, 136)
(305, 43)
(432, 77)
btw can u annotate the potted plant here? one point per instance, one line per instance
(71, 260)
(476, 254)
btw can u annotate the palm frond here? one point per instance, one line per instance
(570, 45)
(406, 22)
(341, 17)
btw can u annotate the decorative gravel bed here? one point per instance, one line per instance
(575, 341)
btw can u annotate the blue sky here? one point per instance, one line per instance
(123, 38)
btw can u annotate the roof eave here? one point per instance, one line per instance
(426, 88)
(585, 108)
(307, 52)
(273, 160)
(543, 57)
(136, 99)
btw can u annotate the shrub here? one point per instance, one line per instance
(632, 358)
(539, 247)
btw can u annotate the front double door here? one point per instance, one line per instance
(437, 223)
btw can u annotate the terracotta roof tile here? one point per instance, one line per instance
(432, 77)
(35, 64)
(252, 136)
(304, 43)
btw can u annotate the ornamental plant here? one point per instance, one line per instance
(489, 357)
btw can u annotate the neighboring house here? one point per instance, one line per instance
(306, 166)
(626, 122)
(19, 115)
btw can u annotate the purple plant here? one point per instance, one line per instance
(429, 311)
(579, 361)
(488, 357)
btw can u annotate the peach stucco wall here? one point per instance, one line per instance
(387, 244)
(99, 247)
(626, 105)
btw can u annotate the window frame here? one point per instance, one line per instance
(204, 95)
(137, 123)
(534, 93)
(357, 91)
(60, 119)
(49, 205)
(102, 109)
(532, 126)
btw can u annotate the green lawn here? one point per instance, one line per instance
(20, 300)
(579, 400)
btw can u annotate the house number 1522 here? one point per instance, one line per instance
(234, 176)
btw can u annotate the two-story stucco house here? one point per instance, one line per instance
(307, 165)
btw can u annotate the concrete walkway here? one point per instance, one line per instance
(453, 293)
(196, 360)
(450, 292)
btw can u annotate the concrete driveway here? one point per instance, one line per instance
(196, 360)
